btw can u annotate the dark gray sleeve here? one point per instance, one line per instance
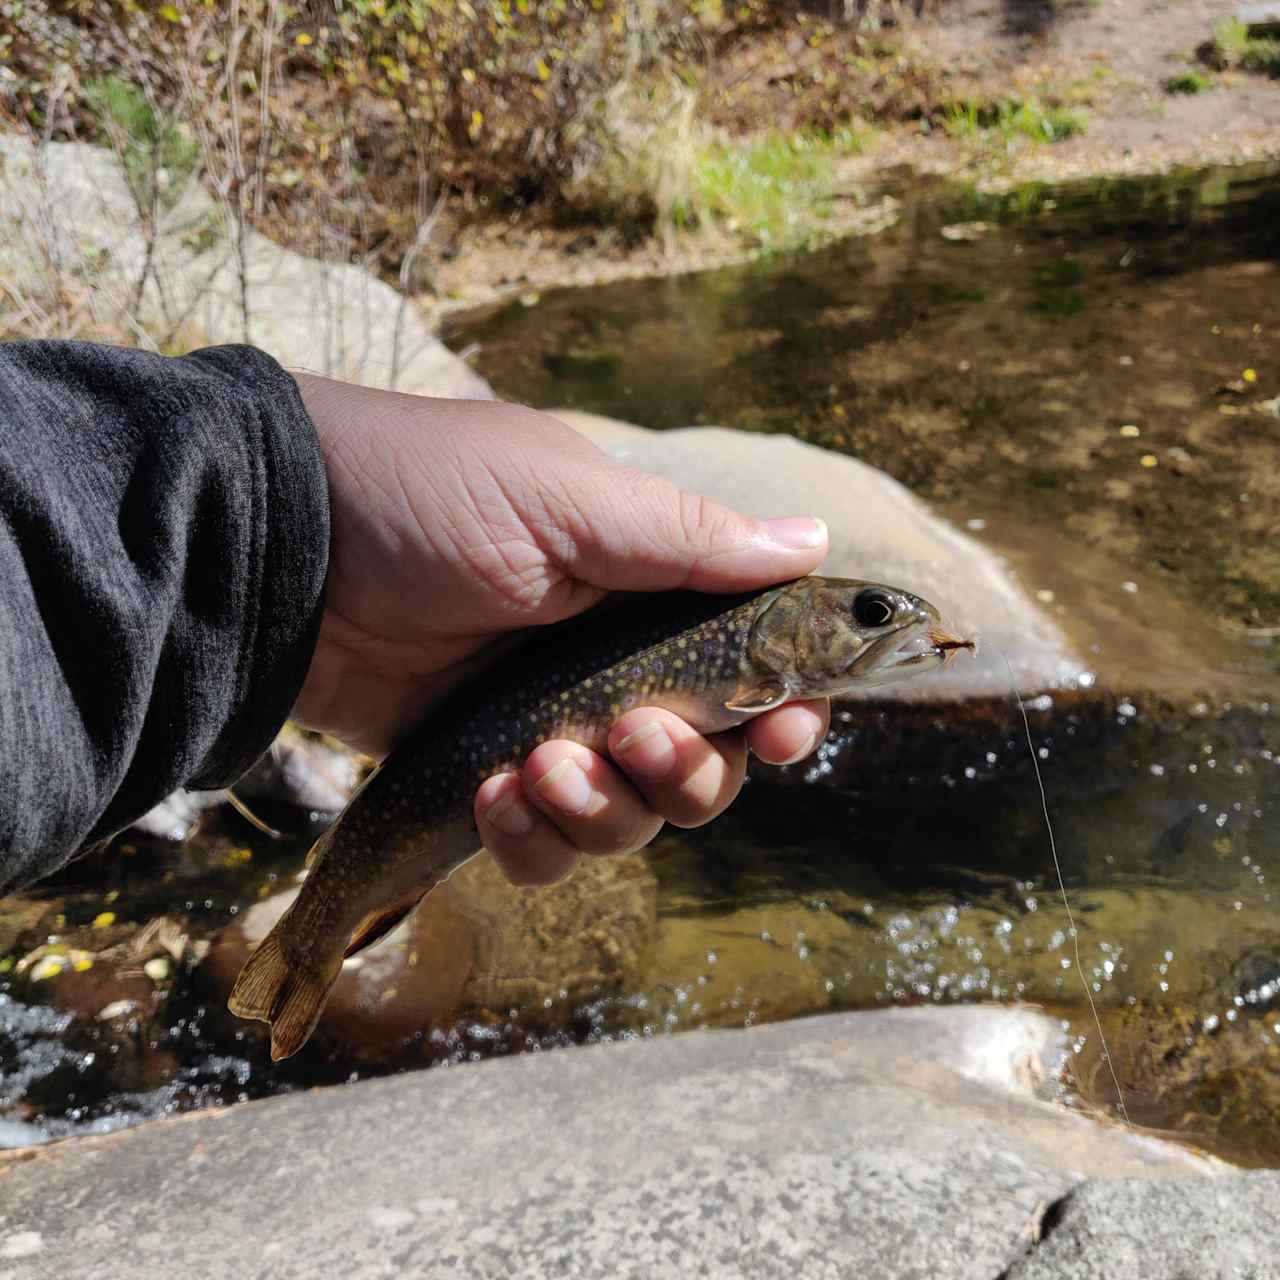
(164, 532)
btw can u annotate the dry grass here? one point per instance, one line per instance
(344, 130)
(211, 118)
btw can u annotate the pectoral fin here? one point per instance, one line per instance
(758, 697)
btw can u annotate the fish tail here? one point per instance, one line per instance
(272, 991)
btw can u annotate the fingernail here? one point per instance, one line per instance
(797, 533)
(648, 750)
(804, 751)
(511, 815)
(566, 787)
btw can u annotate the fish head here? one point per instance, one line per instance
(829, 636)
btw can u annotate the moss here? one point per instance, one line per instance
(158, 157)
(1188, 82)
(1008, 118)
(1233, 47)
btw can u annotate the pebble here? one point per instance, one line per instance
(21, 1244)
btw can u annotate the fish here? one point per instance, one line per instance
(714, 660)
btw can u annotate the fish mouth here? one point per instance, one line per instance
(934, 647)
(917, 646)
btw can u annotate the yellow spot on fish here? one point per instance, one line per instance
(104, 919)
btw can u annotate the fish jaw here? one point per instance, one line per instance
(917, 647)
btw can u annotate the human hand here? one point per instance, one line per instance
(455, 525)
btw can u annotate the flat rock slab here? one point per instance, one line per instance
(1131, 1230)
(895, 1144)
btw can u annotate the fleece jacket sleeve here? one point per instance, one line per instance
(164, 532)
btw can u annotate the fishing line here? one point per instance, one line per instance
(1062, 888)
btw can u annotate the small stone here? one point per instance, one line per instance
(21, 1244)
(1130, 432)
(1149, 460)
(116, 1009)
(49, 967)
(157, 969)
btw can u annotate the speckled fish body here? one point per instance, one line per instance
(713, 660)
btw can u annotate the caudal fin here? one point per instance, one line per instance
(269, 990)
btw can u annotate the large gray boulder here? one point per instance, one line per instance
(908, 1143)
(70, 226)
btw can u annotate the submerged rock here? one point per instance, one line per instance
(476, 947)
(879, 530)
(1093, 636)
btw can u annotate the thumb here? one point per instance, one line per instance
(629, 530)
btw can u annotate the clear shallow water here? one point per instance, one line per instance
(1021, 381)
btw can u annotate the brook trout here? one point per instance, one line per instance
(714, 660)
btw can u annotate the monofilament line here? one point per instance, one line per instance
(1062, 888)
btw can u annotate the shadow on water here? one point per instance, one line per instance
(1086, 377)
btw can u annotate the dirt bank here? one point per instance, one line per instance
(1109, 60)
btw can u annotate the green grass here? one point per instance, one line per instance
(662, 166)
(1188, 82)
(1007, 118)
(150, 143)
(1233, 46)
(771, 189)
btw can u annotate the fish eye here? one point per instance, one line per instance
(872, 608)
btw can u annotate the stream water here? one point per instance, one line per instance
(1087, 378)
